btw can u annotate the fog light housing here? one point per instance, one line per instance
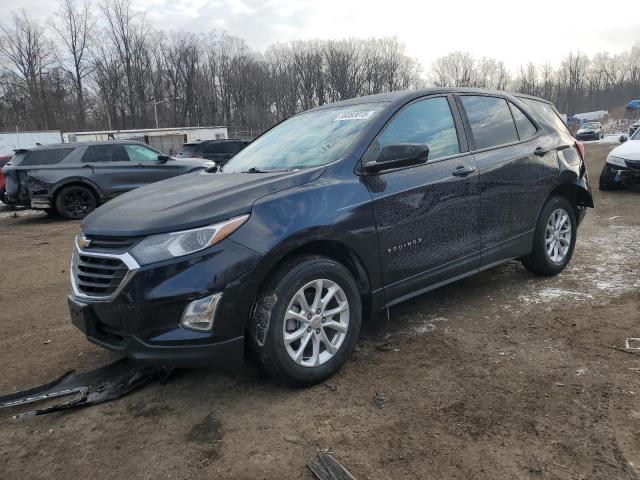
(200, 314)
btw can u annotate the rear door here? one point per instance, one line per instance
(504, 140)
(111, 169)
(146, 167)
(427, 215)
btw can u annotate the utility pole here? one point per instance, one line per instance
(155, 107)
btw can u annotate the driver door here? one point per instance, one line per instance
(145, 166)
(427, 215)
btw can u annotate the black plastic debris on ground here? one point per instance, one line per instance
(89, 388)
(328, 468)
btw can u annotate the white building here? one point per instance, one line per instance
(10, 141)
(167, 140)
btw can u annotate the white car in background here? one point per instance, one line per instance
(622, 167)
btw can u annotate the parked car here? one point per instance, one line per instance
(218, 151)
(590, 131)
(328, 217)
(622, 167)
(72, 179)
(3, 161)
(634, 126)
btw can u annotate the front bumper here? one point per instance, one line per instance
(142, 321)
(625, 172)
(588, 136)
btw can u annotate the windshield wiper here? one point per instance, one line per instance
(259, 170)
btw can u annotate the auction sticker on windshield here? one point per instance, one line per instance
(354, 116)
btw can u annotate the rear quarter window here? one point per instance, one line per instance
(547, 113)
(45, 157)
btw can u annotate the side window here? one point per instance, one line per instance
(491, 121)
(46, 157)
(105, 153)
(547, 114)
(427, 121)
(214, 147)
(526, 129)
(139, 153)
(231, 147)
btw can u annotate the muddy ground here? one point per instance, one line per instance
(500, 376)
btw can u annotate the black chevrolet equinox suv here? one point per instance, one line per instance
(323, 220)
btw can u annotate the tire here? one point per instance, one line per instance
(550, 231)
(608, 179)
(272, 320)
(2, 192)
(75, 202)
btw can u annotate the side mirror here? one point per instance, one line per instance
(398, 155)
(623, 138)
(164, 158)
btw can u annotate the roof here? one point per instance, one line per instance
(77, 144)
(403, 96)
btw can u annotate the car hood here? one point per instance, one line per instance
(587, 130)
(189, 201)
(629, 150)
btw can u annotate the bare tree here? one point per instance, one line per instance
(74, 25)
(27, 55)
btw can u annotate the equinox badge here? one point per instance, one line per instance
(402, 246)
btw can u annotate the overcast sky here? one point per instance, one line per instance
(515, 32)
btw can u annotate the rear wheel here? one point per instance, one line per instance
(608, 179)
(306, 322)
(75, 202)
(554, 238)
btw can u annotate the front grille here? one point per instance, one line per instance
(97, 276)
(635, 164)
(112, 244)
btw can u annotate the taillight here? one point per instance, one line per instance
(580, 147)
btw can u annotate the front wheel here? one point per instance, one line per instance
(306, 323)
(554, 238)
(75, 202)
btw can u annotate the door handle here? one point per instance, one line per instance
(540, 152)
(463, 170)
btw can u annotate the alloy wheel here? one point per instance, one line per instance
(77, 202)
(316, 323)
(558, 235)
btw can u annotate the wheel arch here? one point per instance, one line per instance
(79, 182)
(333, 249)
(577, 195)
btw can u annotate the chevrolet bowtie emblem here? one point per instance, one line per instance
(84, 242)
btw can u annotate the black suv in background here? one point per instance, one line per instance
(331, 215)
(73, 178)
(218, 151)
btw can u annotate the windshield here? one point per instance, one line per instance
(590, 125)
(188, 149)
(307, 140)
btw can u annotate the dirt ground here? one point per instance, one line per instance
(500, 376)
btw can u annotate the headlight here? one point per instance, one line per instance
(176, 244)
(619, 162)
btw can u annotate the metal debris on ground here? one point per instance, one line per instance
(387, 347)
(632, 343)
(380, 399)
(89, 388)
(328, 468)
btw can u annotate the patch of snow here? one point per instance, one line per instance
(428, 325)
